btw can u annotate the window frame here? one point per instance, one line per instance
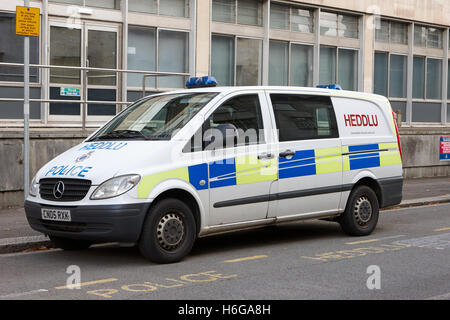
(157, 37)
(289, 61)
(236, 14)
(332, 116)
(290, 7)
(337, 63)
(344, 14)
(235, 38)
(37, 83)
(266, 119)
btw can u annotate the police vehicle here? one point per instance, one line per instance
(197, 162)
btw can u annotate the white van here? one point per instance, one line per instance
(192, 163)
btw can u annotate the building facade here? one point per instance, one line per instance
(397, 48)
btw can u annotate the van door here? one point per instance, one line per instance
(309, 156)
(241, 171)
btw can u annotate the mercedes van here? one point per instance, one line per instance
(180, 165)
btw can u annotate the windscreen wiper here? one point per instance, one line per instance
(122, 134)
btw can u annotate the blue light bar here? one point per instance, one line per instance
(200, 82)
(333, 86)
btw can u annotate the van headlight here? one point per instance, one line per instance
(115, 187)
(34, 188)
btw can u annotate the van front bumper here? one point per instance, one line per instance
(97, 223)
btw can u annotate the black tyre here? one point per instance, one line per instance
(70, 244)
(169, 232)
(361, 213)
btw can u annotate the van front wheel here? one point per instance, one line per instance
(169, 232)
(361, 213)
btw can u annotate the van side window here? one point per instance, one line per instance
(303, 117)
(241, 113)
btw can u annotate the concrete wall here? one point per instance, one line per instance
(420, 148)
(43, 147)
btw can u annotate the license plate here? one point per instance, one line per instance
(56, 214)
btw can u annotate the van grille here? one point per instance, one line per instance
(74, 189)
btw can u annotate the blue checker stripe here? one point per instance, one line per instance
(361, 161)
(302, 164)
(363, 147)
(225, 170)
(197, 173)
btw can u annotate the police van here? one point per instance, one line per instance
(197, 162)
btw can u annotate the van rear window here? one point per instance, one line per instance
(304, 117)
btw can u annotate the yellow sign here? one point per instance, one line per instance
(27, 21)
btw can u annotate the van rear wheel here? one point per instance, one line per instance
(169, 232)
(361, 213)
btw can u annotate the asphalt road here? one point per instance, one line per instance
(409, 251)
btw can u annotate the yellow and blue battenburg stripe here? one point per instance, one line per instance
(249, 169)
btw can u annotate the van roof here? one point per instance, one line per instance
(304, 90)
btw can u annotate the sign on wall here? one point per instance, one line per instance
(70, 92)
(444, 148)
(27, 21)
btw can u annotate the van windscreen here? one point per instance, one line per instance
(154, 118)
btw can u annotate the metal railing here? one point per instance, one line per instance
(84, 85)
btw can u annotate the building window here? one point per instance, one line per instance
(108, 4)
(390, 75)
(248, 12)
(427, 37)
(173, 56)
(11, 51)
(338, 65)
(340, 25)
(381, 74)
(248, 62)
(244, 69)
(397, 76)
(141, 54)
(291, 18)
(427, 75)
(290, 64)
(222, 60)
(175, 8)
(391, 31)
(434, 79)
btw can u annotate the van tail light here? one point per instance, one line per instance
(398, 136)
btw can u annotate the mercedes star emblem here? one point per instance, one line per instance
(58, 190)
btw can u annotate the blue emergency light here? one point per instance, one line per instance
(200, 82)
(333, 86)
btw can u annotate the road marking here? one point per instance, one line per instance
(71, 286)
(363, 241)
(16, 295)
(356, 252)
(247, 258)
(374, 240)
(445, 296)
(442, 229)
(440, 241)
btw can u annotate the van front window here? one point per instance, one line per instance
(155, 118)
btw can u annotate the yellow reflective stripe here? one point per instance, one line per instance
(345, 159)
(389, 158)
(149, 182)
(392, 145)
(249, 169)
(328, 160)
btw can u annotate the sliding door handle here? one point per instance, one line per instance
(265, 156)
(287, 153)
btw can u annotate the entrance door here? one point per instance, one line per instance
(83, 44)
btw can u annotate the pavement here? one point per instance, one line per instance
(406, 257)
(16, 234)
